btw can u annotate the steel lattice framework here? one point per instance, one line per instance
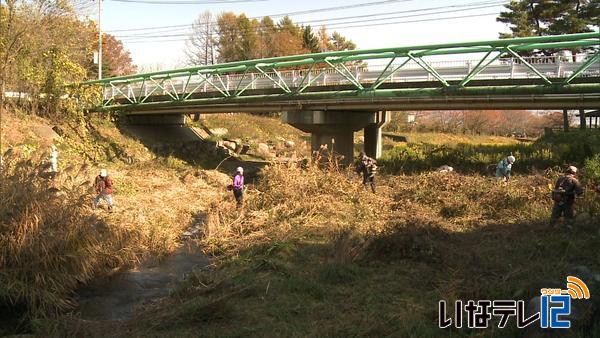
(294, 80)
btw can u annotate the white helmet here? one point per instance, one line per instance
(572, 169)
(511, 159)
(103, 173)
(239, 170)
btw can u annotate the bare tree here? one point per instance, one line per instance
(201, 47)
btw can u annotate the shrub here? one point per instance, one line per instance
(591, 169)
(50, 240)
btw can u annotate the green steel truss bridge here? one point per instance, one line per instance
(470, 75)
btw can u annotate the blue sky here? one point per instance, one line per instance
(129, 16)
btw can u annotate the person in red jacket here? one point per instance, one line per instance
(103, 185)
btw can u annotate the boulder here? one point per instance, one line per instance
(264, 150)
(230, 145)
(219, 131)
(263, 147)
(46, 134)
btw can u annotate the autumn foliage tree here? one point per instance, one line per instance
(116, 61)
(44, 46)
(237, 37)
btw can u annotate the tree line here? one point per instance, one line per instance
(228, 37)
(489, 122)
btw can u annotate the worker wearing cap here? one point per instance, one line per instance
(567, 187)
(504, 168)
(104, 188)
(368, 168)
(238, 187)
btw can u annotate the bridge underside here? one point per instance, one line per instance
(565, 101)
(482, 94)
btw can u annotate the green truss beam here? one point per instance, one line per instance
(164, 84)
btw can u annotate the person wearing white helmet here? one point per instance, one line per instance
(504, 168)
(567, 187)
(445, 169)
(104, 189)
(238, 187)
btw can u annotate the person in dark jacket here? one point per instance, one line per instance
(567, 187)
(368, 168)
(104, 188)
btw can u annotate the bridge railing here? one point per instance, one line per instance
(292, 77)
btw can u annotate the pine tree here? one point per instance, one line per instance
(549, 17)
(339, 42)
(309, 41)
(267, 31)
(248, 48)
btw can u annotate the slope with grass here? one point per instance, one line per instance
(253, 129)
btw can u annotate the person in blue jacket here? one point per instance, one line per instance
(504, 168)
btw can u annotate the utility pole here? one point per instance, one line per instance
(582, 121)
(99, 39)
(565, 120)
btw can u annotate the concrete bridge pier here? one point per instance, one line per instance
(333, 131)
(373, 139)
(339, 141)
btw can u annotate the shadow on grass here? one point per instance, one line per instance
(182, 142)
(382, 285)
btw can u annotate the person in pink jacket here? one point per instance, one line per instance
(238, 187)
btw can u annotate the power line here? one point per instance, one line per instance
(166, 29)
(309, 11)
(333, 25)
(191, 2)
(355, 26)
